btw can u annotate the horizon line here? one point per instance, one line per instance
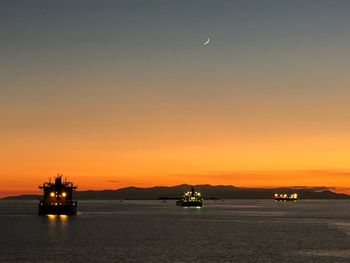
(300, 187)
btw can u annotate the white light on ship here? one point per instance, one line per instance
(52, 194)
(64, 194)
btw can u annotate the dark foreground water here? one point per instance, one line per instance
(156, 231)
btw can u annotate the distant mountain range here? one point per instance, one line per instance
(208, 192)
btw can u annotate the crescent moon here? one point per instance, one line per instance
(206, 42)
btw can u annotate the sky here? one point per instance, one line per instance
(118, 93)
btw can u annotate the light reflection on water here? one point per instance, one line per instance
(57, 219)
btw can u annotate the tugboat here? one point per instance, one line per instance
(58, 198)
(285, 197)
(191, 198)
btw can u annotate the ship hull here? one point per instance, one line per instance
(57, 210)
(285, 199)
(189, 204)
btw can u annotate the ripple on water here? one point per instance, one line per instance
(339, 253)
(342, 226)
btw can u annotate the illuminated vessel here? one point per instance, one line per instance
(58, 198)
(191, 198)
(286, 197)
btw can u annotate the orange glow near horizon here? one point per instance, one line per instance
(96, 165)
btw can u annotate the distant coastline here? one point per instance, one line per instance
(208, 191)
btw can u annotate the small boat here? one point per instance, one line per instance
(58, 198)
(191, 198)
(286, 197)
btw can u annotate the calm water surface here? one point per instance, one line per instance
(156, 231)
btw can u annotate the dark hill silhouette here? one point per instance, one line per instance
(208, 191)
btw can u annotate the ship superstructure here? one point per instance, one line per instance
(191, 198)
(58, 197)
(286, 197)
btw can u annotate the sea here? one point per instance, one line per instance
(159, 231)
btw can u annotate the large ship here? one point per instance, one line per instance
(191, 198)
(286, 197)
(58, 198)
